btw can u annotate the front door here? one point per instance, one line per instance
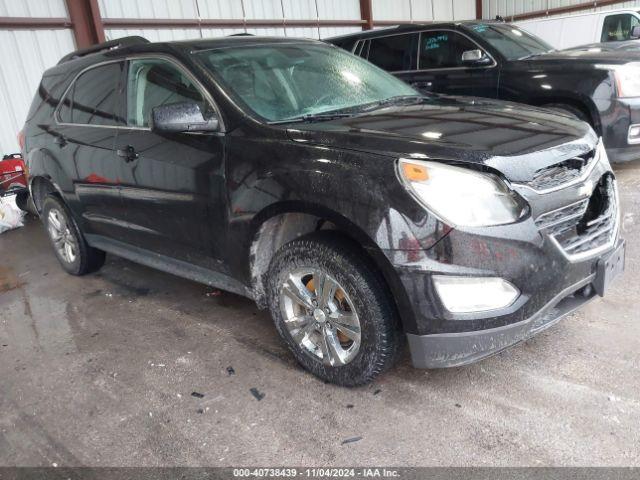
(173, 185)
(87, 123)
(442, 68)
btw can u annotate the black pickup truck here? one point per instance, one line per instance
(499, 60)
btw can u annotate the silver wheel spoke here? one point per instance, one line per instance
(325, 288)
(299, 334)
(331, 349)
(347, 323)
(298, 293)
(68, 252)
(54, 220)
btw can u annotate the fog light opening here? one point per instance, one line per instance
(474, 294)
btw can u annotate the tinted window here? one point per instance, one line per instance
(618, 27)
(511, 41)
(155, 82)
(443, 49)
(95, 97)
(395, 52)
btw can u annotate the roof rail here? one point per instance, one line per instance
(110, 45)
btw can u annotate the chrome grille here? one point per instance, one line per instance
(587, 225)
(561, 173)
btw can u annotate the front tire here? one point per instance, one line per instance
(333, 310)
(69, 245)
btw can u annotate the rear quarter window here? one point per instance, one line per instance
(95, 98)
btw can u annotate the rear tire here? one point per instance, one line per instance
(333, 310)
(22, 201)
(69, 245)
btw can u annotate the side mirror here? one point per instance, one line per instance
(474, 57)
(182, 117)
(635, 32)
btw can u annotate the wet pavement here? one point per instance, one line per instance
(131, 366)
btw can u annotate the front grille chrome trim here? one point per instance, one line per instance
(608, 223)
(599, 152)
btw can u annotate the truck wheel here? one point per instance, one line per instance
(332, 309)
(571, 110)
(69, 245)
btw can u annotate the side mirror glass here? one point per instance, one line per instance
(635, 32)
(476, 56)
(182, 117)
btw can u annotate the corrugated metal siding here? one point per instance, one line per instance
(148, 8)
(26, 54)
(423, 10)
(506, 8)
(33, 8)
(232, 9)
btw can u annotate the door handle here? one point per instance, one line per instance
(60, 141)
(128, 153)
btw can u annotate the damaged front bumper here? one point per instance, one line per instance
(452, 349)
(558, 259)
(443, 350)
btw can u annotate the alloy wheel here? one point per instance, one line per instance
(320, 316)
(61, 236)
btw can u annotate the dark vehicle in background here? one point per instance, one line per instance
(357, 213)
(502, 61)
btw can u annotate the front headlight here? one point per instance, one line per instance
(628, 80)
(458, 196)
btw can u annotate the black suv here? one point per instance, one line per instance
(354, 208)
(498, 60)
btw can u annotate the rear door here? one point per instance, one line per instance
(173, 183)
(87, 123)
(396, 53)
(441, 68)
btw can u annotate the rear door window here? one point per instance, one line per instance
(95, 98)
(393, 53)
(443, 49)
(618, 27)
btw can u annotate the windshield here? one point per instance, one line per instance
(512, 42)
(288, 81)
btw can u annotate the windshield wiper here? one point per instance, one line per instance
(350, 111)
(314, 117)
(537, 54)
(398, 99)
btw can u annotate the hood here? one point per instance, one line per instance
(608, 46)
(515, 139)
(585, 55)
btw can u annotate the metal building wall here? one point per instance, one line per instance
(423, 10)
(506, 8)
(25, 55)
(231, 9)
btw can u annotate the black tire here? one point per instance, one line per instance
(22, 201)
(86, 258)
(380, 338)
(570, 109)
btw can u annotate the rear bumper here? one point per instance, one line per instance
(455, 349)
